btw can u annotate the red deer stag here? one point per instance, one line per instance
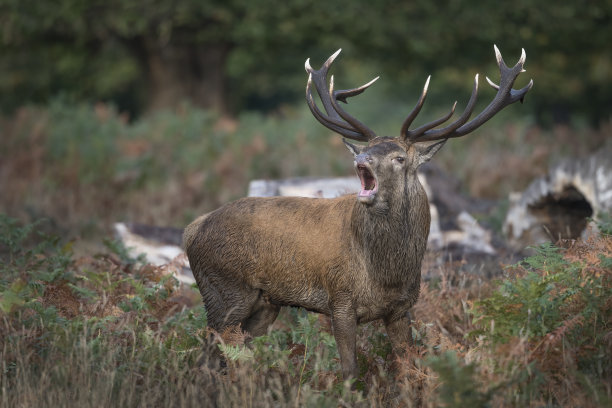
(355, 259)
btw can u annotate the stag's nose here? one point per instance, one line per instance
(363, 158)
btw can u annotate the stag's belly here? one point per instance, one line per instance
(371, 301)
(313, 300)
(297, 288)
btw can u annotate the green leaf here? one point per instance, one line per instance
(9, 300)
(236, 353)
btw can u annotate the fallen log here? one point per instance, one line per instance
(560, 205)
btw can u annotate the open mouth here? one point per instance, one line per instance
(368, 181)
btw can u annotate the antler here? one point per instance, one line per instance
(337, 119)
(505, 96)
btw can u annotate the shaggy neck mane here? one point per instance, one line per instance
(385, 238)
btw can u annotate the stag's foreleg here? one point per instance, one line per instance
(344, 325)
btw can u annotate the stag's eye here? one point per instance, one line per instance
(400, 159)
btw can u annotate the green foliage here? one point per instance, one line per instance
(381, 345)
(34, 264)
(542, 333)
(20, 254)
(258, 48)
(78, 137)
(604, 224)
(271, 351)
(527, 305)
(236, 352)
(522, 306)
(186, 329)
(559, 306)
(320, 344)
(21, 258)
(534, 303)
(86, 168)
(117, 247)
(275, 349)
(60, 321)
(13, 236)
(459, 386)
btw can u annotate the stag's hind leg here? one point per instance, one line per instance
(228, 308)
(247, 307)
(399, 329)
(225, 310)
(262, 315)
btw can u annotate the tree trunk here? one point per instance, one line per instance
(184, 72)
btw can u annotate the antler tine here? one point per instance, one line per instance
(336, 125)
(342, 95)
(414, 134)
(505, 94)
(504, 97)
(320, 79)
(416, 109)
(442, 133)
(347, 93)
(337, 119)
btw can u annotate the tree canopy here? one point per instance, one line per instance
(247, 54)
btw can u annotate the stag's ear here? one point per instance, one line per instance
(426, 151)
(354, 149)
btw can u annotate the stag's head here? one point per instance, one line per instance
(387, 165)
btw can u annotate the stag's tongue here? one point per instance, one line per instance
(368, 182)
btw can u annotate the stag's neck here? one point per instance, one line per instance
(393, 240)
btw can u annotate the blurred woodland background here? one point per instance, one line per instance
(155, 111)
(239, 55)
(158, 111)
